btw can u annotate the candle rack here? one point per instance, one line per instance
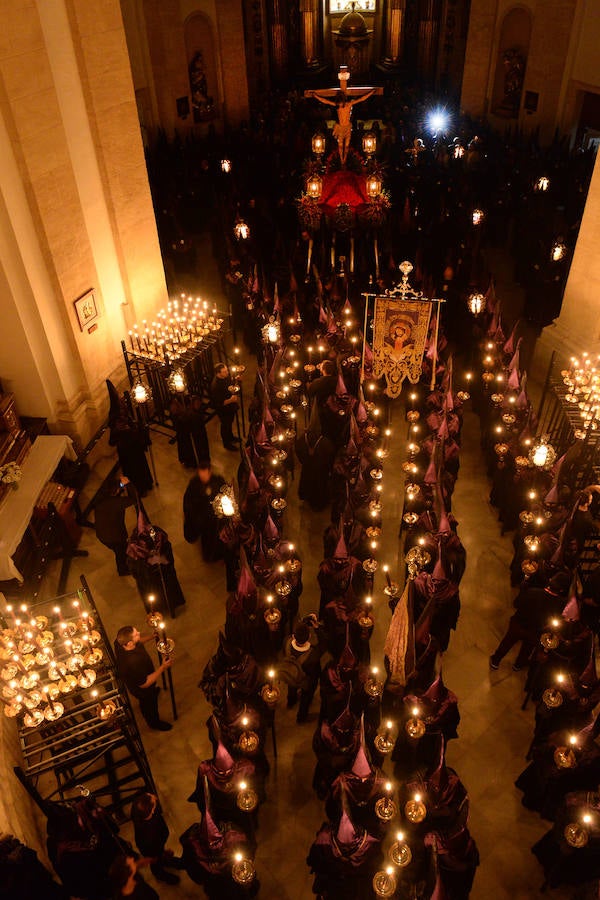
(190, 348)
(91, 736)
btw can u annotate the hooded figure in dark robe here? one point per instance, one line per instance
(131, 440)
(151, 562)
(315, 453)
(209, 849)
(343, 860)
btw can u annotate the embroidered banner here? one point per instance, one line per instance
(399, 338)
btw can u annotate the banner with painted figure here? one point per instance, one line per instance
(399, 338)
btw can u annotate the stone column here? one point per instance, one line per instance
(393, 34)
(577, 329)
(309, 23)
(427, 41)
(279, 39)
(76, 212)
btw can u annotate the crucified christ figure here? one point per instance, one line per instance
(344, 100)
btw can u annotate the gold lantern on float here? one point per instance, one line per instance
(318, 144)
(241, 230)
(369, 143)
(476, 303)
(374, 186)
(314, 186)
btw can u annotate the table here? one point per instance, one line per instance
(16, 512)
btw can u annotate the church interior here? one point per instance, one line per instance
(298, 374)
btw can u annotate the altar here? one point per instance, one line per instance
(17, 508)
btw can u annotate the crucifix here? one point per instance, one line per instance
(344, 98)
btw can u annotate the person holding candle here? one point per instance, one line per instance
(533, 607)
(136, 668)
(199, 517)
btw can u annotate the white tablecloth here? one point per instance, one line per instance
(16, 512)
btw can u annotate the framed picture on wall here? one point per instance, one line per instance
(86, 309)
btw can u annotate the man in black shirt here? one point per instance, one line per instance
(137, 671)
(225, 403)
(109, 516)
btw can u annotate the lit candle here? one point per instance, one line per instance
(386, 571)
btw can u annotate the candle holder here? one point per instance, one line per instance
(242, 870)
(93, 657)
(384, 882)
(417, 558)
(370, 565)
(529, 567)
(376, 473)
(33, 718)
(564, 758)
(392, 589)
(270, 693)
(53, 712)
(413, 415)
(154, 619)
(106, 710)
(247, 799)
(415, 810)
(11, 710)
(384, 741)
(33, 699)
(532, 543)
(165, 646)
(248, 742)
(549, 640)
(278, 504)
(87, 678)
(575, 835)
(272, 617)
(283, 587)
(415, 726)
(410, 519)
(552, 698)
(294, 566)
(385, 809)
(526, 517)
(373, 687)
(373, 532)
(375, 507)
(400, 853)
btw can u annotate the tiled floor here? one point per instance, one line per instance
(494, 732)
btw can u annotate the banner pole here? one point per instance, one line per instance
(435, 343)
(362, 365)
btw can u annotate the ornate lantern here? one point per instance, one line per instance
(314, 187)
(476, 303)
(542, 454)
(176, 381)
(226, 166)
(318, 144)
(542, 184)
(241, 230)
(369, 143)
(141, 392)
(477, 216)
(224, 504)
(558, 251)
(374, 186)
(271, 332)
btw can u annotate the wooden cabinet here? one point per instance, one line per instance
(9, 420)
